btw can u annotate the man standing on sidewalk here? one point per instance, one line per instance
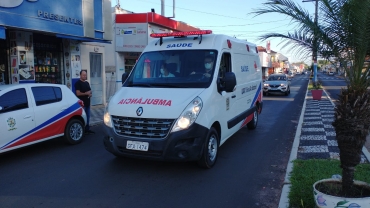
(83, 92)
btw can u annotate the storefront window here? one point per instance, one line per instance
(47, 67)
(47, 61)
(3, 63)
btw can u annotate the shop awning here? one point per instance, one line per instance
(83, 39)
(2, 32)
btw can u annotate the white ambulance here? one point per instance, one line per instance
(187, 94)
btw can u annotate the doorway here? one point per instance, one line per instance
(96, 80)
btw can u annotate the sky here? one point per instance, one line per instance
(230, 17)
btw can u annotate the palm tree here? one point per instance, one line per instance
(342, 32)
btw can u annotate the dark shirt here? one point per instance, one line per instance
(83, 87)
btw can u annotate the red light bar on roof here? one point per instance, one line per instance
(179, 34)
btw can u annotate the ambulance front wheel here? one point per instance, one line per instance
(210, 150)
(253, 123)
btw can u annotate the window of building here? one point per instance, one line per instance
(47, 59)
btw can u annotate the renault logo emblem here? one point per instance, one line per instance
(139, 111)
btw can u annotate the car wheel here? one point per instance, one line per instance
(74, 131)
(253, 123)
(210, 150)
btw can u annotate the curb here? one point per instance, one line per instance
(284, 200)
(96, 123)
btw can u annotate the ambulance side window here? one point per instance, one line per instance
(13, 100)
(225, 66)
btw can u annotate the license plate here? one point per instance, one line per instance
(134, 145)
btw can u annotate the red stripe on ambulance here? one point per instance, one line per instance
(147, 101)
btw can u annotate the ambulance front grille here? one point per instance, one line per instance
(142, 127)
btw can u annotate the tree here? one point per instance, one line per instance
(342, 32)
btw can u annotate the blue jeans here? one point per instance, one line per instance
(87, 111)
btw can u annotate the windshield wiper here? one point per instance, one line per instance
(168, 85)
(139, 85)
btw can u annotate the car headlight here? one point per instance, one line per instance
(107, 118)
(283, 85)
(189, 115)
(265, 85)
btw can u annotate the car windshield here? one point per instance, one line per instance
(173, 69)
(276, 78)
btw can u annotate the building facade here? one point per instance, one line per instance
(52, 41)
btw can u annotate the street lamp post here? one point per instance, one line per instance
(314, 46)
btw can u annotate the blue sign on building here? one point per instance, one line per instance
(66, 18)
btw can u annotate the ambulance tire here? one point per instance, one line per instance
(253, 123)
(210, 150)
(74, 131)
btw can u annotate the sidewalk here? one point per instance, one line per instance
(96, 114)
(315, 138)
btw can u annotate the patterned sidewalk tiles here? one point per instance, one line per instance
(318, 137)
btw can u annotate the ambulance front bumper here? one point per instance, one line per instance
(185, 145)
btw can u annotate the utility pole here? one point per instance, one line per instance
(314, 46)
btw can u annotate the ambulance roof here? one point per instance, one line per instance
(207, 41)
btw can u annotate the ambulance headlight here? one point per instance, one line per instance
(107, 118)
(189, 115)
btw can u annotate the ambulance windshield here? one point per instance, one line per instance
(174, 68)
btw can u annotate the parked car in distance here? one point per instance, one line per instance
(32, 113)
(331, 73)
(298, 73)
(276, 83)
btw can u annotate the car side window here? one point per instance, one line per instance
(46, 95)
(13, 100)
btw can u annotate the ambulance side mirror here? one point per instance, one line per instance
(124, 77)
(229, 81)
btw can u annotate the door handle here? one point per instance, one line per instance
(27, 117)
(234, 96)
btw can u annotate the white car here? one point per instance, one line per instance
(32, 113)
(276, 83)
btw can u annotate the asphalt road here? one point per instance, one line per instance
(249, 172)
